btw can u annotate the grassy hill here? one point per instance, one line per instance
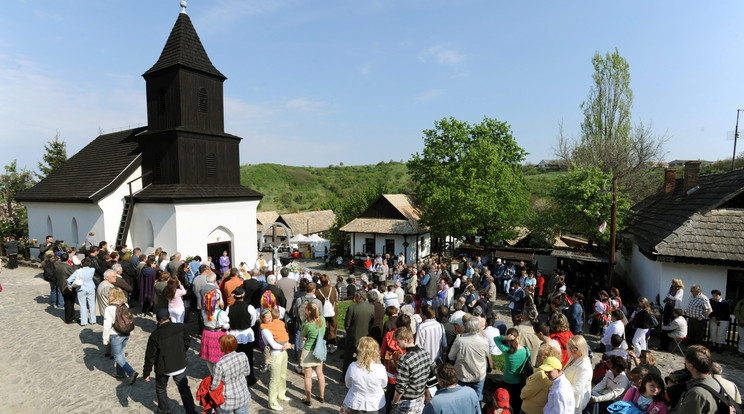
(287, 188)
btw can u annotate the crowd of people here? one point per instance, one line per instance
(417, 338)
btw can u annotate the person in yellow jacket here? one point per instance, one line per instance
(534, 394)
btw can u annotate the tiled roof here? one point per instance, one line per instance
(184, 48)
(103, 164)
(379, 226)
(308, 222)
(264, 218)
(408, 223)
(194, 192)
(688, 225)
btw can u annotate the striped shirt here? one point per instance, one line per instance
(698, 306)
(414, 368)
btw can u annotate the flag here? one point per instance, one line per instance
(602, 227)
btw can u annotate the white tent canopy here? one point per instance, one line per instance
(318, 244)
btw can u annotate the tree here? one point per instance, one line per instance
(13, 215)
(608, 139)
(469, 180)
(55, 154)
(584, 201)
(349, 208)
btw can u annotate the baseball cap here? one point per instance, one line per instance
(501, 396)
(551, 363)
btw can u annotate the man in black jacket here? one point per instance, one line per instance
(166, 350)
(62, 271)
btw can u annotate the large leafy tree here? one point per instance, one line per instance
(55, 154)
(608, 138)
(584, 201)
(13, 215)
(469, 180)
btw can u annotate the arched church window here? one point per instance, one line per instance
(203, 101)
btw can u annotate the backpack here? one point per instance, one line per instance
(301, 304)
(724, 403)
(49, 271)
(124, 319)
(327, 311)
(600, 370)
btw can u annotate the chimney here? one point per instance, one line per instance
(670, 178)
(692, 173)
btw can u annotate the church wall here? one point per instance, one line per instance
(113, 206)
(197, 221)
(88, 217)
(162, 217)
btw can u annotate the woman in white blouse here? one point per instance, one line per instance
(366, 379)
(673, 300)
(578, 371)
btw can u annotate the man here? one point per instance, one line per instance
(451, 397)
(166, 351)
(281, 300)
(413, 371)
(697, 313)
(677, 328)
(561, 396)
(731, 389)
(429, 282)
(472, 356)
(696, 399)
(48, 244)
(120, 282)
(102, 292)
(739, 314)
(499, 271)
(287, 285)
(400, 292)
(450, 333)
(62, 271)
(261, 263)
(90, 241)
(200, 281)
(542, 331)
(457, 315)
(430, 335)
(527, 337)
(616, 327)
(11, 249)
(174, 263)
(358, 321)
(93, 253)
(491, 292)
(252, 289)
(390, 298)
(193, 270)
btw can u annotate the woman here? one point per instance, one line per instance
(649, 398)
(147, 286)
(390, 353)
(232, 369)
(529, 307)
(173, 293)
(275, 337)
(534, 395)
(224, 263)
(312, 328)
(646, 360)
(86, 293)
(117, 340)
(578, 371)
(366, 380)
(720, 318)
(576, 314)
(159, 289)
(216, 322)
(515, 358)
(229, 283)
(242, 318)
(601, 316)
(642, 322)
(163, 261)
(673, 300)
(559, 330)
(325, 293)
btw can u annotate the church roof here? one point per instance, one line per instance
(87, 175)
(184, 48)
(166, 193)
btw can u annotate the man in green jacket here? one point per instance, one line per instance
(359, 318)
(697, 399)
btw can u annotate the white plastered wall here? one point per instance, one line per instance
(88, 216)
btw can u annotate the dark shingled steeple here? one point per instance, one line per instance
(184, 48)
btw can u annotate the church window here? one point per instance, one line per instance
(211, 163)
(203, 101)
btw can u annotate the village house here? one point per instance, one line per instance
(174, 183)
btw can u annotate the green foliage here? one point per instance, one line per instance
(349, 208)
(13, 215)
(469, 180)
(55, 154)
(585, 202)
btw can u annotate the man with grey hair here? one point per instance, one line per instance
(120, 282)
(472, 356)
(174, 264)
(358, 321)
(697, 313)
(457, 315)
(731, 389)
(102, 298)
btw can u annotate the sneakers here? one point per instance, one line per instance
(315, 375)
(285, 399)
(277, 408)
(133, 378)
(298, 368)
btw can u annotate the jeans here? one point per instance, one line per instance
(161, 388)
(241, 410)
(55, 296)
(476, 386)
(87, 298)
(118, 343)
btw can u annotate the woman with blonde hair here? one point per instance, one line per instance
(312, 328)
(118, 340)
(673, 300)
(366, 379)
(534, 395)
(578, 371)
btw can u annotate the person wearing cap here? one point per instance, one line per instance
(166, 352)
(534, 395)
(242, 318)
(451, 397)
(560, 396)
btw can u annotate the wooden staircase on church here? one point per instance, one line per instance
(126, 220)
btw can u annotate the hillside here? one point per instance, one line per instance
(287, 188)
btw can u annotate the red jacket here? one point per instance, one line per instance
(562, 338)
(209, 399)
(389, 344)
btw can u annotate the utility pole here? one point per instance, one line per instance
(613, 231)
(736, 136)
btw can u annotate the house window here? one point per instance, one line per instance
(211, 164)
(369, 246)
(390, 247)
(734, 286)
(161, 101)
(203, 101)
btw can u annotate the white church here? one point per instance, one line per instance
(174, 183)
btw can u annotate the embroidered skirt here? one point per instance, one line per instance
(210, 345)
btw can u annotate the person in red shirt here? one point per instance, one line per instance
(539, 284)
(367, 263)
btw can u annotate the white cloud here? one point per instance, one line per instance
(364, 69)
(305, 105)
(441, 55)
(222, 13)
(428, 96)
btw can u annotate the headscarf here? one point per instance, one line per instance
(210, 302)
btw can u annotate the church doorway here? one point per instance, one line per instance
(215, 251)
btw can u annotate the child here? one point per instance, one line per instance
(560, 396)
(612, 387)
(500, 403)
(650, 399)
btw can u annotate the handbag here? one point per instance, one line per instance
(77, 282)
(320, 350)
(527, 368)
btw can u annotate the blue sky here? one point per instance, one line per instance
(319, 83)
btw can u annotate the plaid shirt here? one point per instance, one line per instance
(698, 307)
(414, 368)
(232, 370)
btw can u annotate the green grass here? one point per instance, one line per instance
(342, 308)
